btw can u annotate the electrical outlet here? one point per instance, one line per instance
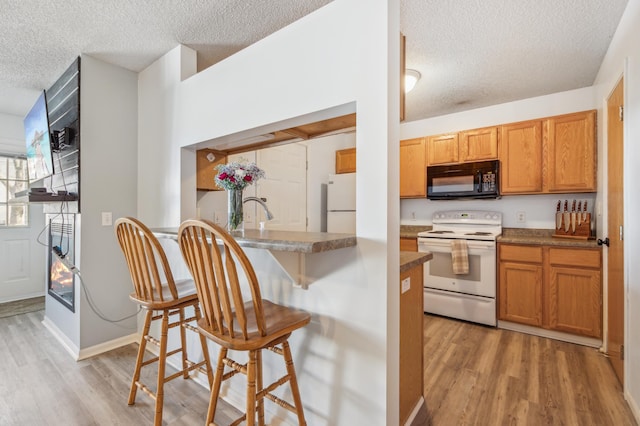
(217, 217)
(413, 215)
(521, 217)
(406, 285)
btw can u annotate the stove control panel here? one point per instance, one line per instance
(468, 216)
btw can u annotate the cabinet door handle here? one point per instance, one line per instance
(605, 242)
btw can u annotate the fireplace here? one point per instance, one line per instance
(61, 259)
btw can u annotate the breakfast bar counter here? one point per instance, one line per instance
(289, 241)
(293, 251)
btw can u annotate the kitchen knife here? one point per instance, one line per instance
(566, 216)
(584, 211)
(558, 215)
(579, 213)
(573, 217)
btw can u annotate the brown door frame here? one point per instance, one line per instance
(615, 334)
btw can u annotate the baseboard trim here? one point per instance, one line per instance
(557, 335)
(22, 297)
(107, 346)
(67, 344)
(80, 354)
(414, 414)
(635, 410)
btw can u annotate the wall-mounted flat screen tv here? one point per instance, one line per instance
(38, 140)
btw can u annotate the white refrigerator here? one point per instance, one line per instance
(341, 203)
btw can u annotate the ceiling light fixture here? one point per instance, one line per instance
(411, 77)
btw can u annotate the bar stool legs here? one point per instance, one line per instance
(161, 359)
(255, 392)
(293, 382)
(141, 350)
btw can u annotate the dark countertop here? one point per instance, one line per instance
(542, 237)
(516, 236)
(411, 231)
(292, 241)
(411, 259)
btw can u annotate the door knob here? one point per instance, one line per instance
(605, 242)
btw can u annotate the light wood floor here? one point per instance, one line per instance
(21, 306)
(40, 384)
(477, 375)
(473, 375)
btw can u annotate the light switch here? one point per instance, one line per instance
(106, 219)
(406, 284)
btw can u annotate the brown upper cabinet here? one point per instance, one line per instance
(206, 169)
(478, 144)
(463, 147)
(521, 157)
(442, 149)
(413, 172)
(346, 161)
(571, 161)
(547, 155)
(551, 155)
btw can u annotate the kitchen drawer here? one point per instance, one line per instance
(518, 253)
(584, 258)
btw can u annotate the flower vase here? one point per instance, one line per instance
(235, 215)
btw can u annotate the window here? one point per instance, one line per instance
(13, 179)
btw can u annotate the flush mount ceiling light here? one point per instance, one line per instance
(411, 77)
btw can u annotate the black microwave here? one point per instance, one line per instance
(467, 180)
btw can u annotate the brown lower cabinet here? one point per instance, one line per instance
(411, 331)
(556, 288)
(408, 244)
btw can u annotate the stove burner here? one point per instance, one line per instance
(440, 232)
(478, 233)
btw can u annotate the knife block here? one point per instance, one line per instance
(583, 231)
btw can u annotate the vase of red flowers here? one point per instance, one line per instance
(234, 177)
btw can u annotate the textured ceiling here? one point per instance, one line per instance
(471, 53)
(475, 53)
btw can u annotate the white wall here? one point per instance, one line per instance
(108, 184)
(160, 175)
(539, 209)
(22, 259)
(623, 58)
(339, 65)
(11, 134)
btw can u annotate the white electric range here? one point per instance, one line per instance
(470, 296)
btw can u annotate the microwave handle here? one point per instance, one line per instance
(479, 181)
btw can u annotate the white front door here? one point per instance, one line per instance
(284, 187)
(23, 260)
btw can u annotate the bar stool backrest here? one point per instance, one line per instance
(211, 255)
(151, 275)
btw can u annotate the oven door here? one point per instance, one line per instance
(438, 273)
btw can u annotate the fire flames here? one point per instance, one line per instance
(61, 276)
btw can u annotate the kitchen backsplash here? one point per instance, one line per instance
(538, 211)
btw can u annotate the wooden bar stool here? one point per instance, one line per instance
(236, 324)
(155, 290)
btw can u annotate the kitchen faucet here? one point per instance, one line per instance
(262, 202)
